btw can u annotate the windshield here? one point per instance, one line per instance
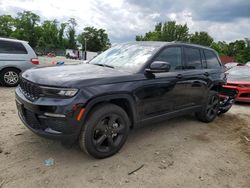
(129, 57)
(242, 72)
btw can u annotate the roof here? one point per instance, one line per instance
(13, 40)
(162, 43)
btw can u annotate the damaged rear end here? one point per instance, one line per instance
(227, 99)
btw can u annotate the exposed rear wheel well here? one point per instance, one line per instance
(216, 88)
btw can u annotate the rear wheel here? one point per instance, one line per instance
(9, 77)
(210, 109)
(105, 131)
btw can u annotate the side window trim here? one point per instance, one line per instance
(205, 59)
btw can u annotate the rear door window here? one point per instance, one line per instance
(193, 58)
(212, 60)
(10, 47)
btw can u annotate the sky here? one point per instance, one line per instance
(224, 20)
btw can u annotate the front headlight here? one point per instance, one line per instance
(58, 92)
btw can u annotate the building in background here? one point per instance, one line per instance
(227, 59)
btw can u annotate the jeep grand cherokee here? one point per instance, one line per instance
(128, 85)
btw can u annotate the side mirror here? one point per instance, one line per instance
(158, 67)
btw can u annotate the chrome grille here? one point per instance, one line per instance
(30, 90)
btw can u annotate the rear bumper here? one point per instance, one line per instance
(33, 115)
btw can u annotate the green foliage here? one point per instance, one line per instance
(168, 31)
(202, 38)
(26, 27)
(6, 25)
(71, 33)
(96, 39)
(239, 49)
(50, 35)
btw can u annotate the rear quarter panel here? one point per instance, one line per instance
(19, 61)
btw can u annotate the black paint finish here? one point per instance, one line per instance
(148, 96)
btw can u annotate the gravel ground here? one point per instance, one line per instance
(181, 152)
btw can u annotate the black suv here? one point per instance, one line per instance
(128, 85)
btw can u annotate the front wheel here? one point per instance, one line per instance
(105, 131)
(210, 109)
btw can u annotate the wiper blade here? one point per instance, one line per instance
(103, 65)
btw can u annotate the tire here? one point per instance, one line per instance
(9, 77)
(105, 131)
(210, 109)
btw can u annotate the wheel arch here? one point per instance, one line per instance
(10, 67)
(125, 101)
(216, 87)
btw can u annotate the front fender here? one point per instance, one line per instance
(107, 98)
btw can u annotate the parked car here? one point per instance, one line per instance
(239, 79)
(15, 56)
(126, 86)
(247, 63)
(231, 65)
(71, 56)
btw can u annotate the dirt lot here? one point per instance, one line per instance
(178, 153)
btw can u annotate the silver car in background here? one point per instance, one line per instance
(15, 56)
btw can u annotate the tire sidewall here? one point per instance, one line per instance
(212, 94)
(92, 122)
(3, 72)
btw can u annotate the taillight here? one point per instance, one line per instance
(35, 61)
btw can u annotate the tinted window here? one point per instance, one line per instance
(171, 55)
(193, 59)
(9, 47)
(212, 61)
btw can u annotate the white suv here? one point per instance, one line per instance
(15, 56)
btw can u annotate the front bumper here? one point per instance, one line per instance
(243, 93)
(33, 114)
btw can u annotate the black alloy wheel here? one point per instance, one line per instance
(105, 131)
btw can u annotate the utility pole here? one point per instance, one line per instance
(85, 49)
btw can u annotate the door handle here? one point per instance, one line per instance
(179, 76)
(206, 74)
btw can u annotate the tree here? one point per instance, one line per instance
(168, 31)
(202, 38)
(61, 40)
(26, 25)
(221, 47)
(174, 32)
(239, 49)
(6, 25)
(49, 36)
(71, 33)
(96, 39)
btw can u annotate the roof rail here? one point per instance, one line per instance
(12, 39)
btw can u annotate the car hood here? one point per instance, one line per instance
(232, 78)
(74, 75)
